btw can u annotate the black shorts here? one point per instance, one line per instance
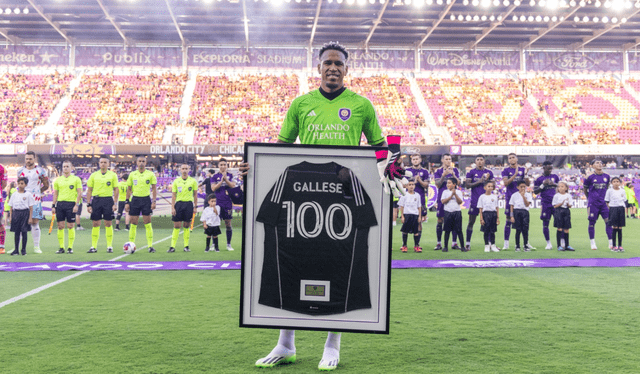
(521, 217)
(79, 210)
(617, 216)
(452, 221)
(212, 231)
(411, 224)
(395, 204)
(141, 205)
(64, 211)
(226, 212)
(424, 211)
(562, 218)
(184, 212)
(102, 208)
(490, 222)
(121, 205)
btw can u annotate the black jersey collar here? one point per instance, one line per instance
(332, 95)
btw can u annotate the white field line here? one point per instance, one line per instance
(46, 286)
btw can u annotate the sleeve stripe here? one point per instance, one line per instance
(357, 189)
(277, 191)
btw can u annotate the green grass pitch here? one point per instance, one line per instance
(560, 320)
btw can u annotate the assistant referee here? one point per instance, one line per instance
(67, 195)
(103, 187)
(141, 184)
(184, 202)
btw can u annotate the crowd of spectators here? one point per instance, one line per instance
(26, 101)
(122, 109)
(484, 111)
(241, 108)
(578, 105)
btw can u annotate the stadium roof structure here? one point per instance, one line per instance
(467, 24)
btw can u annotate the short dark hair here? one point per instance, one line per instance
(453, 180)
(445, 154)
(334, 46)
(211, 196)
(480, 155)
(125, 176)
(23, 179)
(223, 160)
(512, 153)
(522, 182)
(30, 153)
(618, 178)
(491, 182)
(547, 163)
(596, 160)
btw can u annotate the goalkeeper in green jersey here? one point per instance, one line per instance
(331, 115)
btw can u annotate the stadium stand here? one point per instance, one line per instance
(241, 108)
(27, 101)
(483, 111)
(595, 111)
(122, 109)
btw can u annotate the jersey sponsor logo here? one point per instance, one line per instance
(344, 113)
(135, 182)
(311, 114)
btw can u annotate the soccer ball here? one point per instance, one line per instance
(129, 247)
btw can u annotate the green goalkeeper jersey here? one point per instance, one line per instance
(341, 121)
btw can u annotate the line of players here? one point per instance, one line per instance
(104, 197)
(607, 203)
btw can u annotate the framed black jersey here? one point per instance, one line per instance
(316, 239)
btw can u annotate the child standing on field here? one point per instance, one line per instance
(452, 200)
(519, 204)
(410, 214)
(616, 199)
(562, 202)
(489, 220)
(211, 220)
(21, 204)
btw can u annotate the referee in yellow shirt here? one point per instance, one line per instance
(141, 184)
(67, 195)
(103, 187)
(184, 202)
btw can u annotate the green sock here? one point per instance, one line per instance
(133, 230)
(174, 237)
(72, 237)
(149, 230)
(186, 235)
(109, 235)
(95, 235)
(61, 238)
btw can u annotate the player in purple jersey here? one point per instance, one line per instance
(475, 180)
(440, 176)
(545, 186)
(422, 179)
(221, 182)
(510, 177)
(595, 188)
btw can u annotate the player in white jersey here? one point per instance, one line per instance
(38, 183)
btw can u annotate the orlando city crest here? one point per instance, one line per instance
(344, 113)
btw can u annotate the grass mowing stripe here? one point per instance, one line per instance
(49, 285)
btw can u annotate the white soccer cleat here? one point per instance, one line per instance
(279, 356)
(549, 246)
(486, 248)
(494, 248)
(505, 247)
(37, 250)
(530, 246)
(330, 359)
(229, 248)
